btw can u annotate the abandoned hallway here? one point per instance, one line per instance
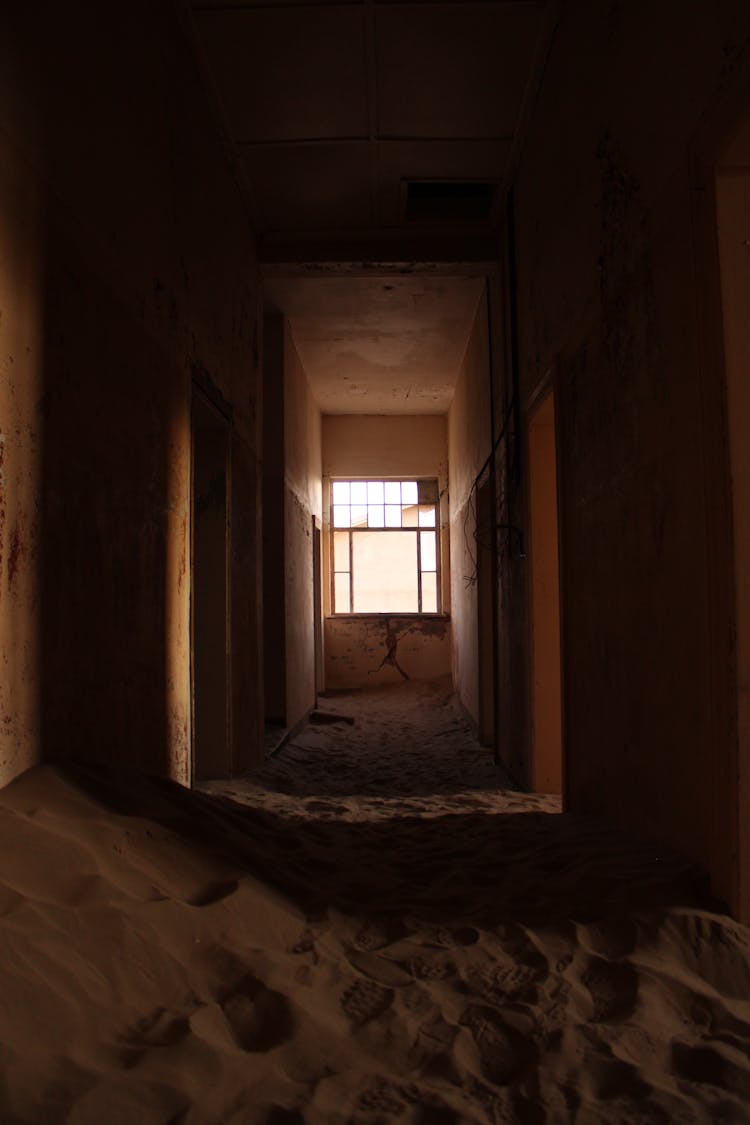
(383, 361)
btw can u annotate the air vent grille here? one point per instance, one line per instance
(456, 201)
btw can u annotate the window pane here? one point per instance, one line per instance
(429, 593)
(393, 515)
(409, 516)
(341, 550)
(428, 552)
(426, 515)
(409, 492)
(359, 515)
(341, 593)
(393, 492)
(375, 515)
(340, 515)
(375, 492)
(341, 492)
(359, 492)
(385, 572)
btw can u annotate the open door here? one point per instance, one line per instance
(210, 591)
(546, 678)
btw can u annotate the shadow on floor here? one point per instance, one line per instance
(456, 870)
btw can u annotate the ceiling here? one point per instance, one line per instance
(385, 345)
(330, 110)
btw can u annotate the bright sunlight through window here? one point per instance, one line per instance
(385, 546)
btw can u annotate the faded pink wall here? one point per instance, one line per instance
(468, 446)
(129, 266)
(609, 288)
(303, 499)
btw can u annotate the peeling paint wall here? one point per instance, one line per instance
(609, 290)
(469, 444)
(376, 446)
(369, 650)
(132, 267)
(303, 499)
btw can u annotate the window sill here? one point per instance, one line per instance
(403, 615)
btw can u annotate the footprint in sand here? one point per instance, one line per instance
(613, 987)
(159, 1028)
(258, 1017)
(213, 892)
(613, 938)
(379, 935)
(365, 1000)
(502, 1050)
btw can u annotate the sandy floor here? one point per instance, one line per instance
(374, 929)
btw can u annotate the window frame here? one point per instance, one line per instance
(432, 484)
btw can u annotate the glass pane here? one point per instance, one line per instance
(340, 515)
(393, 492)
(409, 492)
(409, 516)
(341, 550)
(426, 515)
(375, 515)
(341, 492)
(429, 593)
(375, 492)
(341, 589)
(359, 515)
(393, 515)
(385, 572)
(359, 492)
(428, 552)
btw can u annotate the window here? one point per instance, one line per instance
(384, 546)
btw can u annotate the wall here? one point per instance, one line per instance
(303, 500)
(609, 291)
(378, 446)
(373, 649)
(274, 597)
(733, 199)
(469, 444)
(129, 268)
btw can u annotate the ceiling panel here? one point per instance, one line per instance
(288, 73)
(379, 345)
(311, 187)
(456, 70)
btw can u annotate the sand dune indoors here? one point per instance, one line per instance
(374, 928)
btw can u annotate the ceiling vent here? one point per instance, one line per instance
(449, 201)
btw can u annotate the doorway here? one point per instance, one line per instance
(210, 590)
(546, 675)
(733, 225)
(318, 607)
(486, 611)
